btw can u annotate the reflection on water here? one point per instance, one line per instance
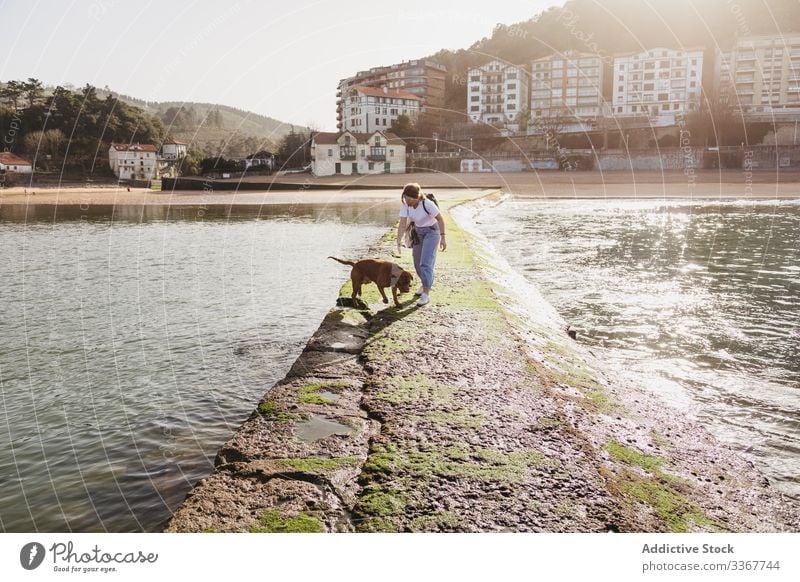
(136, 341)
(377, 213)
(699, 300)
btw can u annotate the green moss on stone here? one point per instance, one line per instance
(271, 411)
(272, 521)
(416, 388)
(320, 464)
(658, 490)
(310, 393)
(381, 502)
(633, 457)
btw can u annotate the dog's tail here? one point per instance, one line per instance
(343, 262)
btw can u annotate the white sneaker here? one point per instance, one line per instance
(423, 299)
(419, 291)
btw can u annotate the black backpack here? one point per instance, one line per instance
(433, 199)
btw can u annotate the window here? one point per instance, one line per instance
(475, 89)
(475, 98)
(648, 86)
(330, 152)
(475, 108)
(511, 106)
(512, 86)
(391, 153)
(665, 107)
(663, 96)
(664, 64)
(512, 75)
(649, 76)
(621, 78)
(620, 88)
(619, 109)
(475, 78)
(650, 65)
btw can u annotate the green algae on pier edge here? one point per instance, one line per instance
(272, 521)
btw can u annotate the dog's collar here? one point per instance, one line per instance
(396, 272)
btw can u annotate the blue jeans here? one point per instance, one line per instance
(425, 253)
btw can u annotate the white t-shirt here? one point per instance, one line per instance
(418, 215)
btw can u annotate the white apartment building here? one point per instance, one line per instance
(497, 93)
(370, 109)
(760, 75)
(351, 153)
(658, 83)
(568, 86)
(134, 161)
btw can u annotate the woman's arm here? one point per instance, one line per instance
(443, 243)
(401, 229)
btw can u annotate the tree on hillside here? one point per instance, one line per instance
(11, 93)
(45, 143)
(33, 90)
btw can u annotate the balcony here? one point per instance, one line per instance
(347, 153)
(377, 154)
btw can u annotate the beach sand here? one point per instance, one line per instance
(294, 189)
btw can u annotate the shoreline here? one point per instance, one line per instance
(297, 189)
(461, 416)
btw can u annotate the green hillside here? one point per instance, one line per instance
(216, 130)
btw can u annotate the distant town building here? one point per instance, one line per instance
(424, 79)
(496, 94)
(134, 161)
(262, 159)
(369, 109)
(570, 86)
(760, 75)
(13, 163)
(173, 150)
(658, 83)
(350, 153)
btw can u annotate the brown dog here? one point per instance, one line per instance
(382, 273)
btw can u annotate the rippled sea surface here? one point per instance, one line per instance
(136, 340)
(700, 301)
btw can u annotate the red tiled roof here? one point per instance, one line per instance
(175, 142)
(378, 92)
(9, 159)
(134, 147)
(327, 137)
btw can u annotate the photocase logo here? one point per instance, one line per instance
(31, 555)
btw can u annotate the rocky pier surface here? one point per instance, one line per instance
(462, 416)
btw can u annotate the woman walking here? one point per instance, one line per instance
(429, 227)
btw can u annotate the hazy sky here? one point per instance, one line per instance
(282, 59)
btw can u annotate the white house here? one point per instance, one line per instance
(349, 153)
(658, 83)
(497, 93)
(368, 109)
(12, 163)
(134, 161)
(173, 150)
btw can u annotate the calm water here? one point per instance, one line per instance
(136, 340)
(701, 301)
